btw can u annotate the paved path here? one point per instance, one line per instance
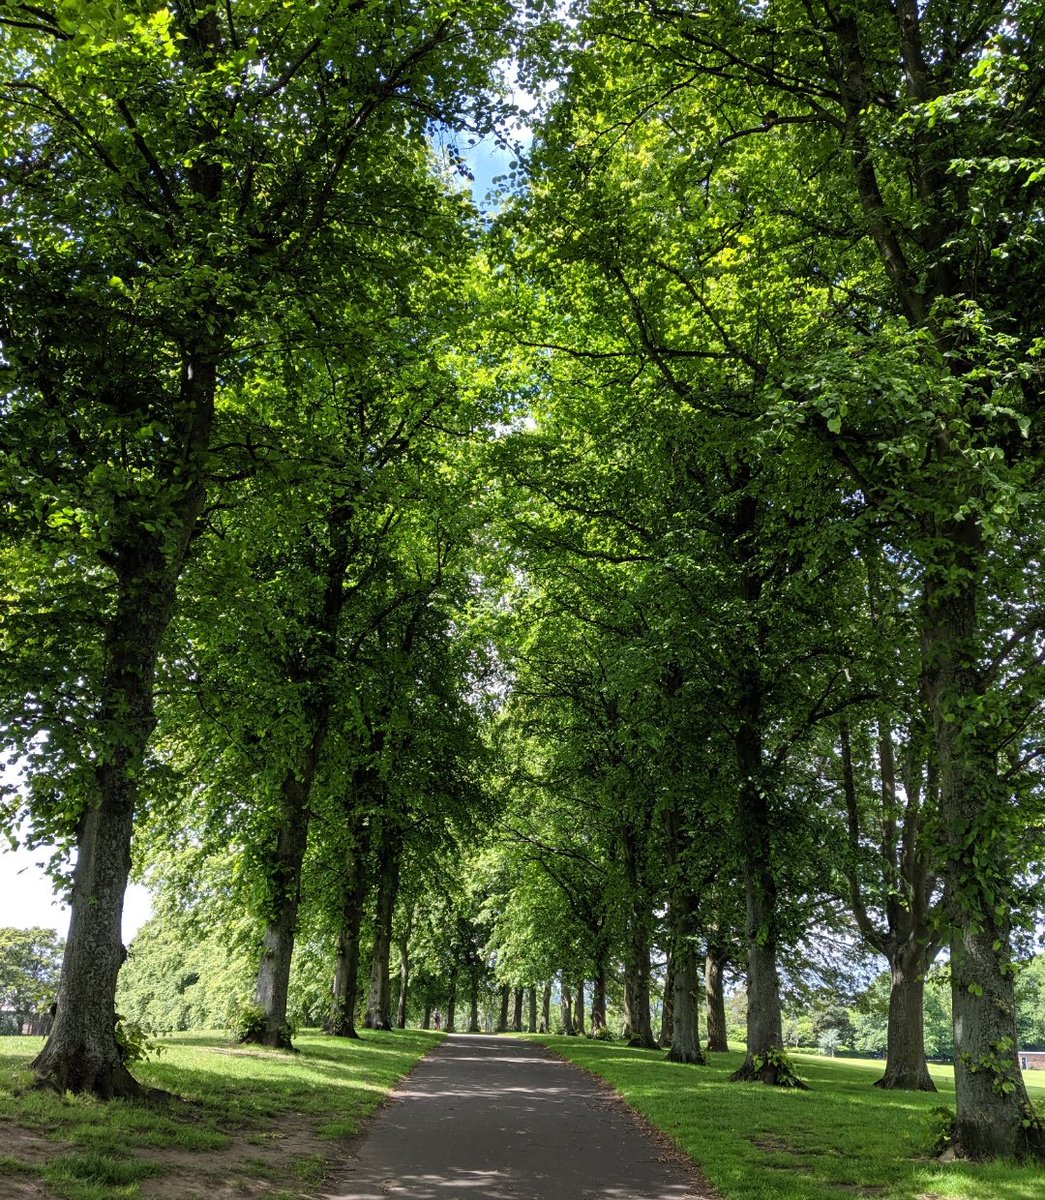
(487, 1118)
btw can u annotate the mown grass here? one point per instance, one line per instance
(218, 1091)
(841, 1139)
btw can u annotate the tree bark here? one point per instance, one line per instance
(714, 968)
(517, 1011)
(404, 982)
(473, 1011)
(342, 1022)
(754, 826)
(506, 999)
(905, 1066)
(993, 1108)
(907, 939)
(451, 1004)
(685, 1038)
(379, 995)
(531, 1025)
(639, 1029)
(579, 1008)
(598, 993)
(566, 1008)
(667, 1013)
(546, 1009)
(285, 894)
(81, 1053)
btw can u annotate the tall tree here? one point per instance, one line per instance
(171, 171)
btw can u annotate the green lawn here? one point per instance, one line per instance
(238, 1111)
(842, 1139)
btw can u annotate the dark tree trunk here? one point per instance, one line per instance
(451, 1004)
(667, 1012)
(81, 1053)
(379, 995)
(566, 1008)
(404, 970)
(579, 1008)
(992, 1101)
(905, 1065)
(754, 825)
(315, 674)
(639, 1028)
(598, 994)
(502, 1018)
(285, 891)
(907, 940)
(685, 1038)
(546, 1009)
(426, 1022)
(342, 1022)
(517, 1011)
(473, 1000)
(714, 992)
(531, 1025)
(404, 982)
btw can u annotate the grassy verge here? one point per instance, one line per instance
(842, 1139)
(237, 1111)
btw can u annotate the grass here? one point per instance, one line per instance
(225, 1097)
(840, 1140)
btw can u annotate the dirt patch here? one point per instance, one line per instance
(290, 1156)
(27, 1146)
(31, 1151)
(772, 1144)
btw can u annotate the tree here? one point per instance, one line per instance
(30, 963)
(173, 170)
(943, 462)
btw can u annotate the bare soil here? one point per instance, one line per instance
(290, 1158)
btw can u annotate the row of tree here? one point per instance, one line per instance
(666, 549)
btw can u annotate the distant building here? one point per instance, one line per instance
(1032, 1060)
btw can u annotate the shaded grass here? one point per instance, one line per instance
(840, 1140)
(218, 1090)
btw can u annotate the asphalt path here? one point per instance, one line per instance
(488, 1118)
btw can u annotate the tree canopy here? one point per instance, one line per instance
(475, 610)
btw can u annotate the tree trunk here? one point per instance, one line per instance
(451, 1004)
(531, 1025)
(667, 1012)
(579, 1008)
(993, 1107)
(637, 988)
(379, 996)
(517, 1011)
(426, 1021)
(342, 1022)
(473, 1014)
(404, 982)
(905, 1066)
(546, 1009)
(685, 1038)
(714, 992)
(598, 993)
(765, 1037)
(81, 1053)
(404, 969)
(506, 999)
(285, 892)
(566, 1008)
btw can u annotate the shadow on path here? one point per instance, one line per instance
(486, 1118)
